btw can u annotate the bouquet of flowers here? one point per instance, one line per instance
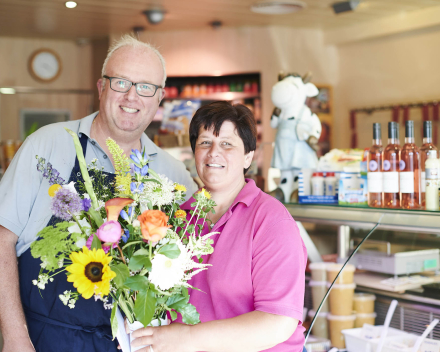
(126, 243)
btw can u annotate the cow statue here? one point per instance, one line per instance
(298, 131)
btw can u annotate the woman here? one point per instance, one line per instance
(251, 298)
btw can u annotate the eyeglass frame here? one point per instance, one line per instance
(133, 84)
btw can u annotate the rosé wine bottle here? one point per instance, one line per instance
(374, 165)
(410, 170)
(390, 168)
(424, 153)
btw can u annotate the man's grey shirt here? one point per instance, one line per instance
(24, 198)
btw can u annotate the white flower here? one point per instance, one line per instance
(65, 297)
(61, 262)
(101, 204)
(71, 304)
(167, 273)
(43, 279)
(157, 193)
(136, 223)
(70, 187)
(81, 243)
(84, 224)
(34, 282)
(86, 195)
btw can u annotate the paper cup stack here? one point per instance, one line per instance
(341, 302)
(363, 305)
(318, 285)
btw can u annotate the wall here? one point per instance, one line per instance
(396, 69)
(249, 49)
(76, 74)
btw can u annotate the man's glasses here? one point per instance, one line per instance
(122, 85)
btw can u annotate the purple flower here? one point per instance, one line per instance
(137, 169)
(125, 236)
(109, 232)
(40, 167)
(55, 173)
(49, 166)
(144, 171)
(124, 215)
(46, 174)
(130, 211)
(65, 203)
(86, 203)
(138, 154)
(134, 158)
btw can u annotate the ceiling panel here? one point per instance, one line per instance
(98, 18)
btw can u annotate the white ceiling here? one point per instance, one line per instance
(99, 18)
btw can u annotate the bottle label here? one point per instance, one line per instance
(386, 165)
(373, 165)
(407, 182)
(431, 174)
(375, 182)
(391, 182)
(401, 165)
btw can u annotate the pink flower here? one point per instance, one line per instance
(109, 232)
(105, 248)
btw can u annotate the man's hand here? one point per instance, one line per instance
(12, 320)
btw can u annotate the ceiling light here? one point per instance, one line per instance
(273, 7)
(345, 6)
(71, 4)
(154, 16)
(7, 91)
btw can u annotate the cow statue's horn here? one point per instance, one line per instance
(307, 77)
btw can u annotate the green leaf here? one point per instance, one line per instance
(122, 273)
(137, 283)
(185, 292)
(170, 250)
(189, 314)
(96, 243)
(114, 320)
(96, 217)
(137, 262)
(142, 251)
(190, 229)
(177, 301)
(145, 306)
(173, 315)
(131, 244)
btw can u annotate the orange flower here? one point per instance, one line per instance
(114, 206)
(153, 225)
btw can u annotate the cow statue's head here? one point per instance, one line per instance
(292, 91)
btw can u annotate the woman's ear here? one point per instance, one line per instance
(248, 159)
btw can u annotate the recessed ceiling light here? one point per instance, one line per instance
(71, 4)
(7, 91)
(275, 7)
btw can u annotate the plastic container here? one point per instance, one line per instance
(319, 289)
(346, 276)
(319, 271)
(356, 341)
(330, 182)
(320, 328)
(402, 343)
(341, 299)
(365, 318)
(338, 323)
(317, 184)
(363, 303)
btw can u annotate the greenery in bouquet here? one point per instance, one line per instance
(126, 242)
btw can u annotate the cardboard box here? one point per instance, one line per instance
(353, 190)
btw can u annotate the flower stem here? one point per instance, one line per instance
(192, 216)
(150, 249)
(122, 255)
(77, 222)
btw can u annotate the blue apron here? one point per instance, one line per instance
(52, 325)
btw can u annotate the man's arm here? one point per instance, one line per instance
(12, 320)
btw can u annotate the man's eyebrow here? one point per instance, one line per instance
(128, 79)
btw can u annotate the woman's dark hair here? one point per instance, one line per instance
(214, 114)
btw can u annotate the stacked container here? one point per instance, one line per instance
(341, 302)
(363, 305)
(318, 285)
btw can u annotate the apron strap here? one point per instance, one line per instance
(100, 331)
(83, 140)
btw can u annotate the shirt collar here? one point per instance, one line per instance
(247, 194)
(85, 126)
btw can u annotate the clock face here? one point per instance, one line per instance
(45, 65)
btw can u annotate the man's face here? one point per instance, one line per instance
(129, 112)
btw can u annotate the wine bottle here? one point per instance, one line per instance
(390, 167)
(424, 154)
(374, 165)
(410, 170)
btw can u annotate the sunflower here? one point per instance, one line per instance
(90, 272)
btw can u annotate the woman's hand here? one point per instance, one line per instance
(170, 338)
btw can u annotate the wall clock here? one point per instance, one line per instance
(45, 65)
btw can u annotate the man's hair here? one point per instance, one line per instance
(213, 115)
(130, 40)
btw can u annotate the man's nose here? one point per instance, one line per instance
(131, 94)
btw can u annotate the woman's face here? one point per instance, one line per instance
(220, 160)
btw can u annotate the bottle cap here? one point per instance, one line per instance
(317, 174)
(427, 129)
(409, 129)
(432, 154)
(393, 130)
(330, 174)
(377, 133)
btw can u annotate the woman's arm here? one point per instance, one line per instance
(254, 331)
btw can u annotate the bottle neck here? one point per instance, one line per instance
(377, 142)
(409, 140)
(427, 140)
(393, 141)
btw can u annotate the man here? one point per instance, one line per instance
(129, 92)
